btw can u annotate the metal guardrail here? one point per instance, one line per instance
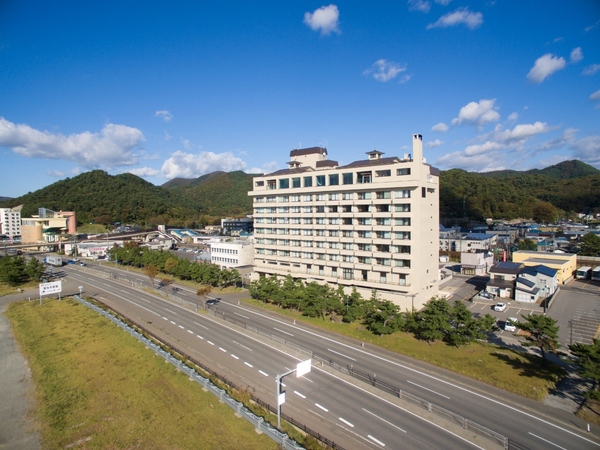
(259, 422)
(372, 380)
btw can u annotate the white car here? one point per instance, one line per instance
(509, 325)
(499, 306)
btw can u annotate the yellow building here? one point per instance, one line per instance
(564, 263)
(47, 226)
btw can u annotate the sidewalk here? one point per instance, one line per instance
(17, 429)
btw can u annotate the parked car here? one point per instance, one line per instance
(499, 306)
(70, 261)
(82, 263)
(509, 325)
(486, 294)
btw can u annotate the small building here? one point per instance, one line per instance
(233, 227)
(48, 226)
(478, 263)
(535, 283)
(502, 279)
(564, 263)
(230, 254)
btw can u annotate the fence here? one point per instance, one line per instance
(371, 380)
(259, 422)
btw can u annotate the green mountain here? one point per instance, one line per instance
(96, 196)
(99, 197)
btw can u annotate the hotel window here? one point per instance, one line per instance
(363, 177)
(284, 198)
(364, 196)
(319, 209)
(308, 232)
(307, 198)
(383, 235)
(334, 196)
(347, 274)
(320, 256)
(405, 171)
(385, 248)
(295, 254)
(334, 271)
(296, 220)
(402, 263)
(334, 245)
(384, 221)
(347, 196)
(384, 261)
(347, 233)
(383, 208)
(320, 180)
(403, 207)
(347, 208)
(402, 279)
(296, 182)
(402, 234)
(320, 220)
(364, 208)
(308, 221)
(365, 234)
(296, 243)
(403, 221)
(320, 232)
(364, 260)
(334, 257)
(295, 198)
(384, 195)
(320, 197)
(334, 233)
(320, 244)
(364, 221)
(284, 183)
(383, 173)
(347, 178)
(259, 199)
(347, 221)
(405, 193)
(347, 246)
(333, 209)
(259, 183)
(334, 179)
(307, 181)
(307, 209)
(271, 199)
(295, 209)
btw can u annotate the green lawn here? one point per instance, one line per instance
(507, 369)
(99, 387)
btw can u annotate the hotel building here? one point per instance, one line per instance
(371, 224)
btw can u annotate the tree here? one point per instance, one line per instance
(545, 212)
(541, 332)
(203, 291)
(34, 269)
(588, 358)
(151, 271)
(12, 270)
(355, 307)
(433, 322)
(590, 245)
(386, 319)
(527, 244)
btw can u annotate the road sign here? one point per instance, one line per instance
(50, 288)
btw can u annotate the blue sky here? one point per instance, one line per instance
(181, 89)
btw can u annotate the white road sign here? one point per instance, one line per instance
(50, 288)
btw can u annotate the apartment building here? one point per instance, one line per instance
(371, 224)
(10, 221)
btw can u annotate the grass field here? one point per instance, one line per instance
(98, 387)
(508, 369)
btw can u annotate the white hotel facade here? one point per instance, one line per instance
(371, 224)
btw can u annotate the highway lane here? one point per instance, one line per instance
(490, 407)
(378, 426)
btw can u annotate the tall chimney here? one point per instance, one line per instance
(417, 148)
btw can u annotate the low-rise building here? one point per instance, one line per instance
(478, 263)
(48, 226)
(230, 254)
(535, 283)
(234, 227)
(502, 279)
(564, 263)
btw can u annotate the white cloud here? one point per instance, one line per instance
(558, 39)
(478, 114)
(443, 2)
(187, 165)
(545, 66)
(144, 172)
(587, 149)
(512, 117)
(440, 127)
(164, 115)
(383, 70)
(462, 16)
(114, 146)
(591, 70)
(486, 147)
(522, 132)
(167, 136)
(419, 5)
(56, 173)
(576, 55)
(592, 27)
(436, 143)
(477, 163)
(568, 137)
(186, 143)
(325, 19)
(595, 96)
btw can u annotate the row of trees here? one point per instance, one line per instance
(157, 261)
(437, 321)
(15, 270)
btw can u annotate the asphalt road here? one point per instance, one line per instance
(528, 423)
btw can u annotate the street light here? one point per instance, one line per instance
(301, 369)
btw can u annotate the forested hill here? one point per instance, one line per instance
(218, 194)
(571, 186)
(99, 197)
